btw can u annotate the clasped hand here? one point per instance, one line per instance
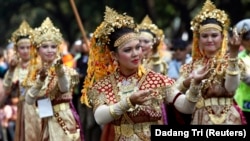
(235, 41)
(43, 72)
(141, 96)
(12, 64)
(58, 64)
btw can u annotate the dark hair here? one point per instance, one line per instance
(1, 52)
(179, 44)
(246, 35)
(211, 20)
(117, 34)
(22, 37)
(147, 30)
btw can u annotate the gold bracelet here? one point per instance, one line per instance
(233, 59)
(194, 87)
(112, 112)
(232, 72)
(192, 97)
(233, 64)
(129, 103)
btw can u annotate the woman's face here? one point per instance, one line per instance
(210, 41)
(14, 100)
(146, 41)
(129, 56)
(48, 51)
(23, 49)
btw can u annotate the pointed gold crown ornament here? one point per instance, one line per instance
(24, 30)
(100, 62)
(209, 11)
(112, 21)
(147, 24)
(47, 32)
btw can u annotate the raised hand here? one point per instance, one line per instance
(43, 72)
(234, 42)
(12, 64)
(59, 66)
(201, 73)
(58, 63)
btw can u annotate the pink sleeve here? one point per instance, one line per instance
(8, 111)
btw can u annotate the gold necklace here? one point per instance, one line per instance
(127, 87)
(119, 91)
(217, 119)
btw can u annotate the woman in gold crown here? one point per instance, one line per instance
(216, 104)
(18, 70)
(52, 90)
(119, 89)
(151, 41)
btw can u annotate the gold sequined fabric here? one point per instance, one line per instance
(106, 92)
(213, 109)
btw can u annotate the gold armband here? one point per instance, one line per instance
(193, 87)
(192, 96)
(112, 112)
(193, 92)
(233, 63)
(233, 59)
(229, 72)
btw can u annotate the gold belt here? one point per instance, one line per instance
(128, 129)
(214, 101)
(61, 107)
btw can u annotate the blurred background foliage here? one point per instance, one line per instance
(173, 16)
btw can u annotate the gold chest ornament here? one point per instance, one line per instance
(127, 87)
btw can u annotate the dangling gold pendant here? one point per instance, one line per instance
(217, 119)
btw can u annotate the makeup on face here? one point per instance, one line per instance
(48, 51)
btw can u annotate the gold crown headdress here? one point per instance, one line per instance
(209, 11)
(147, 24)
(112, 21)
(23, 30)
(47, 32)
(100, 62)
